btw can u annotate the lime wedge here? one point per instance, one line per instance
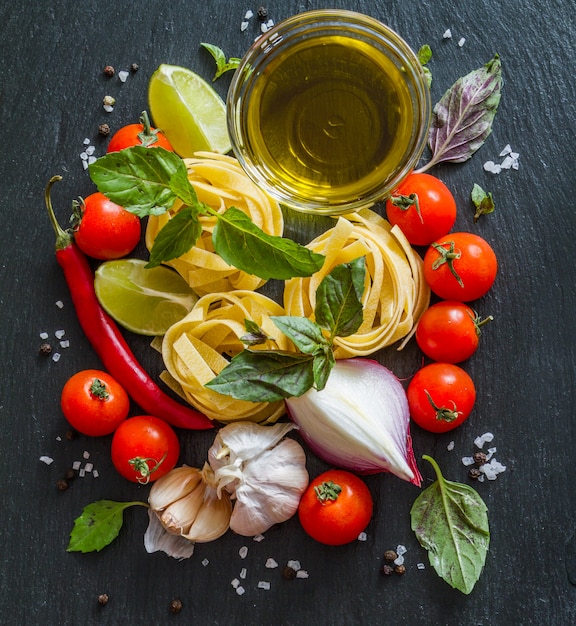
(144, 301)
(188, 111)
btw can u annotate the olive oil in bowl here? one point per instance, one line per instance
(326, 118)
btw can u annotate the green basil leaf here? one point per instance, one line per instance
(265, 376)
(221, 64)
(254, 334)
(483, 202)
(306, 335)
(338, 299)
(451, 521)
(176, 237)
(138, 178)
(321, 367)
(98, 525)
(462, 119)
(245, 246)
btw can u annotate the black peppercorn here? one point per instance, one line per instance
(390, 555)
(479, 458)
(175, 606)
(69, 474)
(289, 572)
(104, 130)
(45, 349)
(103, 599)
(474, 473)
(387, 569)
(400, 569)
(71, 434)
(134, 68)
(262, 14)
(62, 484)
(109, 71)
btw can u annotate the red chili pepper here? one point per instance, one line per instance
(106, 338)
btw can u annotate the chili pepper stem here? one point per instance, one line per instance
(63, 238)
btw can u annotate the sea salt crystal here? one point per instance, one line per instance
(420, 566)
(84, 156)
(264, 27)
(302, 573)
(85, 164)
(506, 150)
(462, 41)
(249, 14)
(450, 446)
(362, 536)
(235, 583)
(400, 550)
(81, 472)
(258, 538)
(243, 573)
(492, 469)
(271, 563)
(76, 465)
(91, 159)
(482, 439)
(86, 454)
(507, 163)
(65, 343)
(89, 467)
(205, 562)
(264, 584)
(56, 357)
(86, 141)
(399, 560)
(447, 34)
(59, 304)
(90, 150)
(108, 108)
(123, 75)
(240, 590)
(270, 23)
(490, 453)
(295, 565)
(59, 334)
(95, 473)
(467, 460)
(243, 26)
(47, 459)
(44, 335)
(243, 552)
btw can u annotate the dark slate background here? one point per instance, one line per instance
(51, 88)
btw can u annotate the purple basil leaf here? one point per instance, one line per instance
(462, 119)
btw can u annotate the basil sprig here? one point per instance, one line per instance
(272, 375)
(148, 182)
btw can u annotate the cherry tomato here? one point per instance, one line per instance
(449, 331)
(460, 266)
(423, 208)
(106, 230)
(335, 508)
(144, 448)
(139, 135)
(440, 396)
(94, 403)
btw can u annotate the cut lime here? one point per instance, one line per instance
(188, 111)
(144, 301)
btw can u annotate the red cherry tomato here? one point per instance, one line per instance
(440, 397)
(335, 508)
(106, 230)
(423, 208)
(144, 448)
(449, 331)
(139, 135)
(460, 266)
(94, 403)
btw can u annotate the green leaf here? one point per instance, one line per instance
(321, 367)
(222, 65)
(451, 521)
(138, 178)
(98, 525)
(254, 334)
(483, 202)
(245, 246)
(306, 335)
(338, 299)
(265, 376)
(424, 56)
(176, 237)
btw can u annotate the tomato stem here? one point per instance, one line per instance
(328, 490)
(147, 136)
(140, 465)
(442, 412)
(448, 257)
(405, 202)
(99, 390)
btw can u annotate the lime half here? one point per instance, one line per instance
(188, 111)
(144, 301)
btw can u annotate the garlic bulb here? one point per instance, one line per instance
(264, 473)
(187, 505)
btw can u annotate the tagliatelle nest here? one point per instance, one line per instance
(219, 182)
(395, 294)
(193, 351)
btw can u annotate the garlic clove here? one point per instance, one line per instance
(158, 539)
(179, 516)
(174, 485)
(213, 518)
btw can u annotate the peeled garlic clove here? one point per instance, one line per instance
(272, 486)
(174, 485)
(179, 516)
(213, 518)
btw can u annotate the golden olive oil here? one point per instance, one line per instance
(330, 119)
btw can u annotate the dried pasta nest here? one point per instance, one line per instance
(193, 352)
(219, 182)
(395, 294)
